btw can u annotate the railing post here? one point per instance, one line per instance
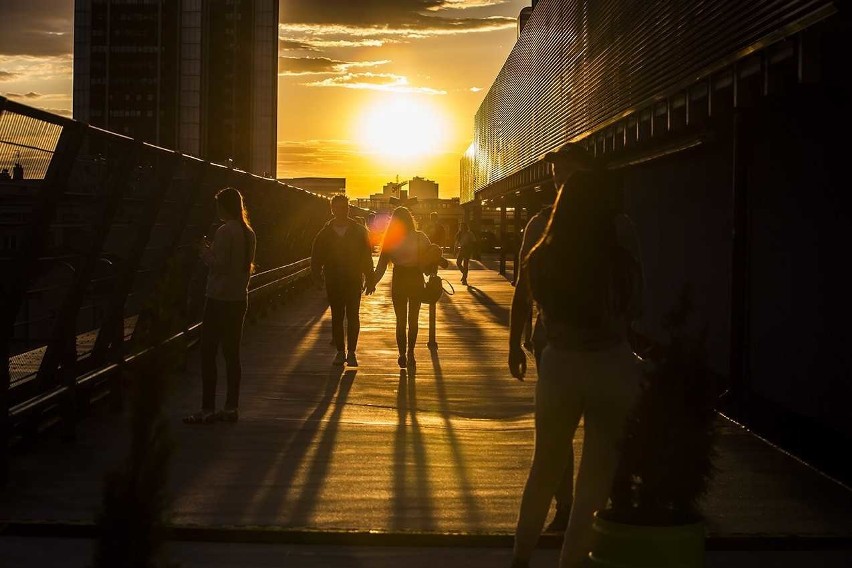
(111, 337)
(433, 342)
(60, 359)
(26, 261)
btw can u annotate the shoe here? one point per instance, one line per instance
(559, 522)
(412, 362)
(228, 415)
(200, 417)
(401, 362)
(339, 359)
(351, 360)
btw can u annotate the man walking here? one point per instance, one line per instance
(343, 258)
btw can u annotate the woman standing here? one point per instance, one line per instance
(585, 275)
(406, 248)
(230, 259)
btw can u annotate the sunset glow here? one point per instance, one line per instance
(402, 128)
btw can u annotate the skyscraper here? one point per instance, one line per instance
(196, 75)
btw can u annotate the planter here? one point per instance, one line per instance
(619, 545)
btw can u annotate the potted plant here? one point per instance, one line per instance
(667, 458)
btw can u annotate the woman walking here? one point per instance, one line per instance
(465, 242)
(230, 259)
(406, 248)
(585, 276)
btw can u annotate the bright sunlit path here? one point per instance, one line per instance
(402, 127)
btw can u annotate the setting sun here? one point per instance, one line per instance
(402, 127)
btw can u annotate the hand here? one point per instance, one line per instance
(370, 289)
(517, 362)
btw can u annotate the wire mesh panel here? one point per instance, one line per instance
(27, 145)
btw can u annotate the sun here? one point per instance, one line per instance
(402, 128)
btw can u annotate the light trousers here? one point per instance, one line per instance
(601, 387)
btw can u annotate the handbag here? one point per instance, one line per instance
(434, 289)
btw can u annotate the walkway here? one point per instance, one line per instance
(441, 450)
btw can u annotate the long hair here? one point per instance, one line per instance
(401, 224)
(570, 268)
(231, 201)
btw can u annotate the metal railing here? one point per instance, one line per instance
(99, 238)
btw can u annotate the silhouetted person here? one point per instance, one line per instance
(520, 317)
(4, 175)
(230, 258)
(343, 258)
(436, 231)
(17, 171)
(465, 244)
(409, 251)
(586, 278)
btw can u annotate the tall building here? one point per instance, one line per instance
(198, 76)
(422, 188)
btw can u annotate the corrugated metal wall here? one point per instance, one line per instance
(580, 63)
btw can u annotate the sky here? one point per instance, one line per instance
(368, 90)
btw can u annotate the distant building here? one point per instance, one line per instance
(422, 188)
(182, 75)
(321, 185)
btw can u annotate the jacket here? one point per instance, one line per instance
(342, 260)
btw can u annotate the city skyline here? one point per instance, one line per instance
(404, 79)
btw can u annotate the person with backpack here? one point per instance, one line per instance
(585, 275)
(230, 259)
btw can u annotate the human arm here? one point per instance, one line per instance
(218, 255)
(367, 264)
(522, 301)
(317, 259)
(381, 267)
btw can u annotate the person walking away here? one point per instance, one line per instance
(436, 231)
(230, 258)
(465, 242)
(588, 286)
(519, 318)
(342, 257)
(407, 249)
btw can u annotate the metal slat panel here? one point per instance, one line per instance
(579, 64)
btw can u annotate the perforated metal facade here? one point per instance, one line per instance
(579, 64)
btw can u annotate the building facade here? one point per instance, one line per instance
(195, 75)
(718, 119)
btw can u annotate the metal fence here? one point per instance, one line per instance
(99, 250)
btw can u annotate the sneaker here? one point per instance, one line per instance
(401, 362)
(351, 360)
(339, 359)
(559, 522)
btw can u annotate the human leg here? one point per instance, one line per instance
(612, 385)
(353, 318)
(400, 308)
(558, 409)
(232, 333)
(337, 302)
(211, 334)
(413, 324)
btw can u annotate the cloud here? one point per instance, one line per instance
(308, 155)
(8, 76)
(290, 45)
(37, 27)
(320, 65)
(376, 82)
(373, 23)
(30, 95)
